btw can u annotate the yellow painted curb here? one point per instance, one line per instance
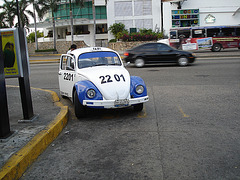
(21, 160)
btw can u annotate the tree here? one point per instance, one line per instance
(8, 12)
(52, 6)
(23, 14)
(3, 20)
(31, 36)
(117, 28)
(37, 7)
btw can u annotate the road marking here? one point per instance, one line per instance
(184, 115)
(143, 113)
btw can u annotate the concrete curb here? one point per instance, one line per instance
(20, 161)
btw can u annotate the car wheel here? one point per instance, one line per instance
(216, 48)
(78, 107)
(138, 107)
(183, 61)
(64, 97)
(139, 62)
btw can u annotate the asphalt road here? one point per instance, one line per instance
(188, 130)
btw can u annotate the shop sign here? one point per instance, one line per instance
(11, 52)
(210, 19)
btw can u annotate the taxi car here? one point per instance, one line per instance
(95, 77)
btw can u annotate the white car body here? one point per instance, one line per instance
(112, 83)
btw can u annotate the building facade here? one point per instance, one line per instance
(83, 23)
(137, 14)
(187, 13)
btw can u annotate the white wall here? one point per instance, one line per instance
(222, 10)
(134, 14)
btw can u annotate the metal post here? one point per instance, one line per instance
(161, 16)
(94, 23)
(4, 116)
(24, 81)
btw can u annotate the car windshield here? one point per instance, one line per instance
(99, 58)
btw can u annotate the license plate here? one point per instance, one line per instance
(121, 103)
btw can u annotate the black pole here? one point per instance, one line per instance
(161, 16)
(19, 22)
(4, 116)
(24, 83)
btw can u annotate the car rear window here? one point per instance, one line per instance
(100, 58)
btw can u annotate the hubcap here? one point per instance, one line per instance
(183, 61)
(139, 62)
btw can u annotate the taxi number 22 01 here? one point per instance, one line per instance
(108, 78)
(68, 76)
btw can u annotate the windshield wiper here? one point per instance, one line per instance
(100, 64)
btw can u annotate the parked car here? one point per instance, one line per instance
(151, 53)
(95, 77)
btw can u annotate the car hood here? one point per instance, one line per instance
(113, 82)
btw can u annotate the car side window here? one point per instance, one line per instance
(67, 63)
(163, 47)
(149, 47)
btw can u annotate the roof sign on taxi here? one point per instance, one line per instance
(96, 49)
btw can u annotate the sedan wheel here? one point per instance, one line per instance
(183, 61)
(139, 62)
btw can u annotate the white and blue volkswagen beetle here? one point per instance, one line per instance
(95, 77)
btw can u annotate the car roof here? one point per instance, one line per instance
(79, 51)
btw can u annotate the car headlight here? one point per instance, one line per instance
(91, 93)
(139, 89)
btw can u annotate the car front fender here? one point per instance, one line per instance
(135, 81)
(82, 87)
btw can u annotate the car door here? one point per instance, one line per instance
(150, 52)
(66, 74)
(166, 53)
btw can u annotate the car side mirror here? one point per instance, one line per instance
(126, 64)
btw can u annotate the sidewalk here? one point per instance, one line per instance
(30, 139)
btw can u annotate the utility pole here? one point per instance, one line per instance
(94, 23)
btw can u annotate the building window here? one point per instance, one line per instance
(83, 29)
(144, 23)
(101, 28)
(123, 8)
(101, 12)
(128, 23)
(63, 11)
(142, 7)
(185, 18)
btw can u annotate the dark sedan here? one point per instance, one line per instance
(151, 53)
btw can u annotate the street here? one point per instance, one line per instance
(188, 130)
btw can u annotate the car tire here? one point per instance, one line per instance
(64, 97)
(183, 61)
(216, 47)
(80, 110)
(139, 62)
(138, 107)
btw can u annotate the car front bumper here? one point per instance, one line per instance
(109, 104)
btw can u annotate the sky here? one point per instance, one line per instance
(31, 20)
